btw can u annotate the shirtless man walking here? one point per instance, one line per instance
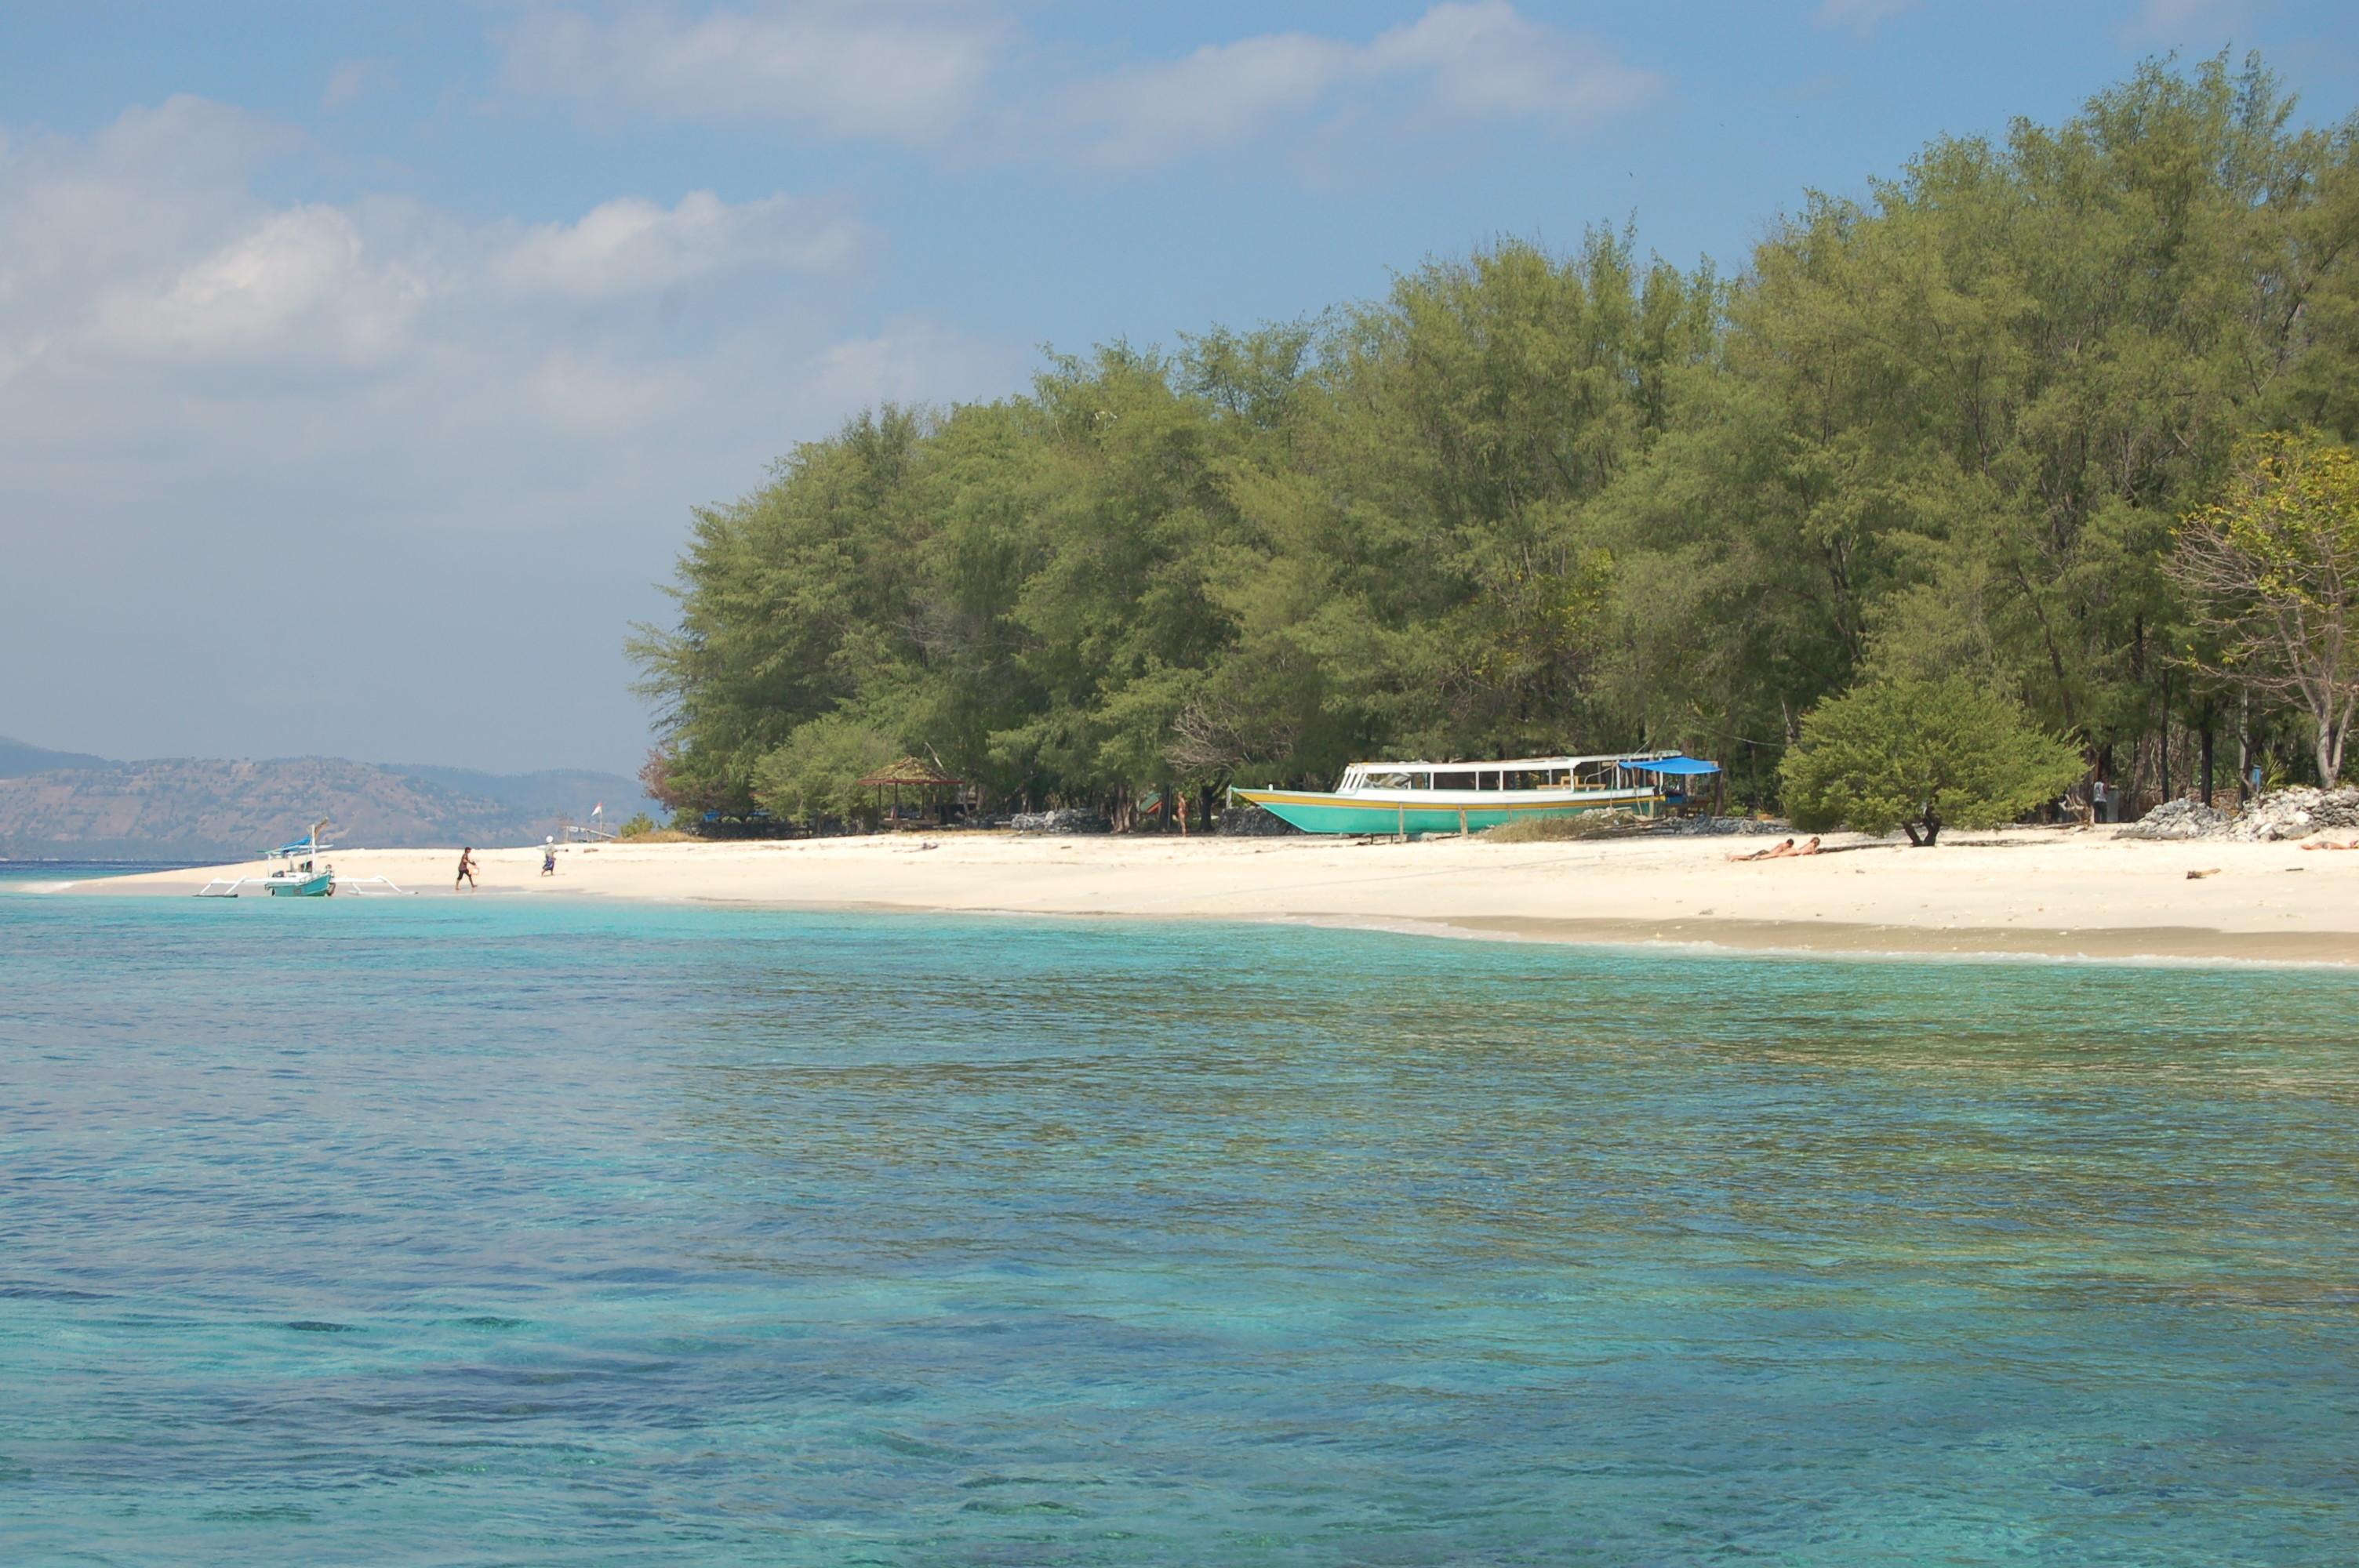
(466, 868)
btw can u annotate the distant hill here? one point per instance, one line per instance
(572, 791)
(17, 759)
(183, 809)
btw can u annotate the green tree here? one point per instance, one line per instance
(1473, 419)
(1920, 756)
(816, 774)
(1952, 426)
(1533, 501)
(2274, 567)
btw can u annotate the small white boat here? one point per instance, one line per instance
(300, 873)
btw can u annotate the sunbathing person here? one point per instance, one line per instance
(1778, 852)
(2331, 844)
(1810, 849)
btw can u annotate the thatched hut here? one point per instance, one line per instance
(932, 788)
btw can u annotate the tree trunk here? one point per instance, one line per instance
(2207, 756)
(2335, 734)
(2243, 747)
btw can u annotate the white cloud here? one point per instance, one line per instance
(1218, 96)
(201, 387)
(633, 246)
(1458, 64)
(301, 278)
(1862, 16)
(939, 75)
(1487, 62)
(147, 243)
(2199, 24)
(904, 71)
(145, 271)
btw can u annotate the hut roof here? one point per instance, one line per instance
(908, 770)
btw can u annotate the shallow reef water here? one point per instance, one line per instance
(443, 1231)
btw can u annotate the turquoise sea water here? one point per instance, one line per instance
(443, 1231)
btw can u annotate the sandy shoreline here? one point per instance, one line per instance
(2030, 892)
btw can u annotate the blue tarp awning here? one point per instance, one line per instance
(1674, 766)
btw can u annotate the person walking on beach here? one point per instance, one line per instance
(549, 857)
(466, 868)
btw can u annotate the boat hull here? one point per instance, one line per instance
(317, 884)
(1316, 811)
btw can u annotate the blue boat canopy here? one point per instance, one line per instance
(1673, 765)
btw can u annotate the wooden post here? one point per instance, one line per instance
(1400, 820)
(1461, 822)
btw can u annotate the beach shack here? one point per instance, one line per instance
(932, 793)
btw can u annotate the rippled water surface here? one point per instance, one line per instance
(523, 1232)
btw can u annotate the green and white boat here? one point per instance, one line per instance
(300, 873)
(1407, 798)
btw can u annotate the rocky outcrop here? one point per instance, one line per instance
(2284, 814)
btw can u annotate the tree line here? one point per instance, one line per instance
(1532, 501)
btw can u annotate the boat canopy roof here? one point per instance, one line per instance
(1516, 765)
(1673, 765)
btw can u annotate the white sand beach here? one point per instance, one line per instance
(2031, 892)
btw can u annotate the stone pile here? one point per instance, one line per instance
(2180, 819)
(1068, 821)
(2294, 813)
(1713, 827)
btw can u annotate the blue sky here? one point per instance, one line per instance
(423, 326)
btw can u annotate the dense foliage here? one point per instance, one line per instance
(1532, 502)
(1920, 755)
(2272, 570)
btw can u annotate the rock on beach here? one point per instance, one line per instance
(2294, 813)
